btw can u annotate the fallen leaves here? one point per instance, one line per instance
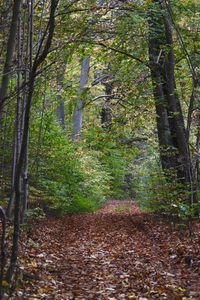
(111, 254)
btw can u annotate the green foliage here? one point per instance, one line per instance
(160, 192)
(95, 176)
(35, 213)
(116, 163)
(72, 177)
(81, 205)
(116, 158)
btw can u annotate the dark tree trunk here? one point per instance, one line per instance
(174, 148)
(176, 120)
(156, 58)
(9, 54)
(106, 112)
(17, 129)
(29, 63)
(37, 62)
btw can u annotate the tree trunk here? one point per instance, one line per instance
(156, 58)
(17, 130)
(29, 63)
(170, 122)
(60, 111)
(37, 62)
(106, 112)
(175, 114)
(10, 53)
(78, 109)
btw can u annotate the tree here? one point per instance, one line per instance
(78, 109)
(38, 60)
(173, 142)
(9, 53)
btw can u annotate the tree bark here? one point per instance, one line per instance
(60, 111)
(106, 112)
(78, 109)
(170, 122)
(156, 58)
(17, 130)
(10, 53)
(176, 120)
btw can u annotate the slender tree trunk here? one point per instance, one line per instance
(106, 112)
(24, 185)
(10, 53)
(39, 143)
(60, 111)
(29, 62)
(37, 62)
(17, 130)
(4, 147)
(78, 110)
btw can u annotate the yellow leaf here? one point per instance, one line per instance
(5, 283)
(132, 297)
(34, 264)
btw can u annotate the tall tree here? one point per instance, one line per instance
(173, 142)
(9, 53)
(78, 109)
(60, 110)
(38, 60)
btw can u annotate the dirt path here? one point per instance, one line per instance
(116, 253)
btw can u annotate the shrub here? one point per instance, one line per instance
(161, 192)
(71, 177)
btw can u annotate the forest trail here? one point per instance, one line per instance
(115, 253)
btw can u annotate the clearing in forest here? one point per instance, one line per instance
(115, 253)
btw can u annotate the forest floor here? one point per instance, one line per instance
(115, 253)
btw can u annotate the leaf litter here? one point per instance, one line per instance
(113, 254)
